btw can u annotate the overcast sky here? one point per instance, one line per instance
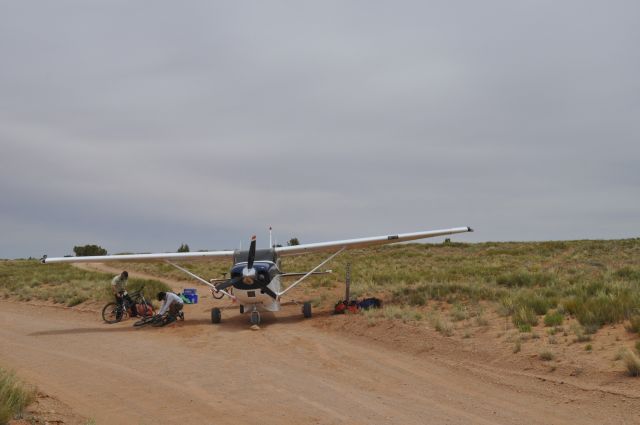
(142, 125)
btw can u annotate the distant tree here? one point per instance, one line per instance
(87, 250)
(293, 241)
(183, 248)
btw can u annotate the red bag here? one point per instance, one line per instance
(353, 307)
(144, 310)
(340, 308)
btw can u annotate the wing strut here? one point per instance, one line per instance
(201, 280)
(311, 272)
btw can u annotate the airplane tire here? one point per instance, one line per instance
(255, 318)
(306, 310)
(241, 309)
(216, 315)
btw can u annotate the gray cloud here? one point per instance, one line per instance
(140, 126)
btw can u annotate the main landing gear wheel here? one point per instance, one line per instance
(217, 295)
(216, 315)
(255, 318)
(241, 309)
(306, 310)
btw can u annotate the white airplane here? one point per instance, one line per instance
(255, 275)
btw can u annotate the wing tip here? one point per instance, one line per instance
(469, 229)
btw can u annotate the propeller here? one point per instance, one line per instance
(228, 282)
(252, 252)
(249, 275)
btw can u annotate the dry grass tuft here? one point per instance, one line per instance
(445, 327)
(547, 356)
(632, 363)
(14, 396)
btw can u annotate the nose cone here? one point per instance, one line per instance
(248, 275)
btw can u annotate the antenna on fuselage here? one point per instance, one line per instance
(270, 241)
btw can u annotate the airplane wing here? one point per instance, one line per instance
(137, 258)
(281, 251)
(366, 242)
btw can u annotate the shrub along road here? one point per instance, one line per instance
(290, 371)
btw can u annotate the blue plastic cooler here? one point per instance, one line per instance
(191, 294)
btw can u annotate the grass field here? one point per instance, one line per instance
(596, 282)
(28, 280)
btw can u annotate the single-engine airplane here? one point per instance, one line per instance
(255, 275)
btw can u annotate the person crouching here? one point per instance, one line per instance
(172, 305)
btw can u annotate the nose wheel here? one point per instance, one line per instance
(255, 317)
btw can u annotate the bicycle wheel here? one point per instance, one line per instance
(144, 321)
(113, 313)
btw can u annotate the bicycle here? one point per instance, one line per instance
(115, 312)
(157, 320)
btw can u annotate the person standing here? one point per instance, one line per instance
(119, 287)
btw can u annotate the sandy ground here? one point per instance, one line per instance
(290, 371)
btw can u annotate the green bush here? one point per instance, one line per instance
(151, 287)
(634, 324)
(524, 279)
(14, 397)
(600, 310)
(78, 299)
(516, 280)
(553, 318)
(89, 250)
(533, 301)
(628, 273)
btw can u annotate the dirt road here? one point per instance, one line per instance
(289, 371)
